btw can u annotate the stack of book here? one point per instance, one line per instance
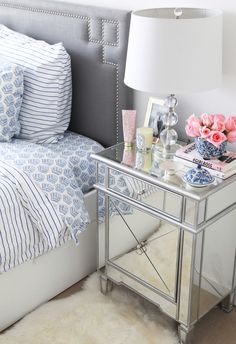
(222, 167)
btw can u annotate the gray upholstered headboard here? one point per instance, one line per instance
(96, 39)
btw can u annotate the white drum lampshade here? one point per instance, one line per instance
(168, 55)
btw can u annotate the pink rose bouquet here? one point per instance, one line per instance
(213, 128)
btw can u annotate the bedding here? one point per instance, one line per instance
(11, 93)
(42, 182)
(46, 106)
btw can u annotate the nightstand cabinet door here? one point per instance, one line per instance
(142, 247)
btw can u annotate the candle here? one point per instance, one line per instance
(144, 137)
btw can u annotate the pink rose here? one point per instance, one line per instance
(231, 137)
(218, 125)
(204, 132)
(192, 130)
(207, 120)
(193, 119)
(219, 117)
(230, 123)
(216, 138)
(193, 126)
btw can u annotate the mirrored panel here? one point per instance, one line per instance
(101, 172)
(146, 193)
(166, 306)
(101, 209)
(218, 261)
(190, 209)
(195, 288)
(143, 246)
(194, 212)
(173, 204)
(215, 204)
(186, 274)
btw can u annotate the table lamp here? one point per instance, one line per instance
(173, 51)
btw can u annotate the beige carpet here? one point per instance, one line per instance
(89, 317)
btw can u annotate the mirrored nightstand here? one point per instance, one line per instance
(172, 244)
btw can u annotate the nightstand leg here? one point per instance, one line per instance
(183, 332)
(227, 303)
(105, 284)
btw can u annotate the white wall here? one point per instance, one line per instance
(222, 100)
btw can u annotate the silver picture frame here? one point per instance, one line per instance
(153, 117)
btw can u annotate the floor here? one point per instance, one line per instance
(217, 327)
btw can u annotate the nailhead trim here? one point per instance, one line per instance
(116, 67)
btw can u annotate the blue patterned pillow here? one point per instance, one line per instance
(11, 93)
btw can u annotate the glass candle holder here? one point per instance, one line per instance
(129, 124)
(144, 138)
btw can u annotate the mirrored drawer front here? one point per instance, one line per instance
(148, 194)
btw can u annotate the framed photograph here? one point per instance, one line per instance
(155, 109)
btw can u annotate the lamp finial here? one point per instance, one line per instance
(178, 12)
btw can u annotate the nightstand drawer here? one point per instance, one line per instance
(145, 193)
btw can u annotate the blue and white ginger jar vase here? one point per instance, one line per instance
(207, 150)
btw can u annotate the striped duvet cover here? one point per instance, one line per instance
(41, 195)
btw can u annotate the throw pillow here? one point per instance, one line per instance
(11, 92)
(46, 106)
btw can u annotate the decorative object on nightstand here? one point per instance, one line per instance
(144, 138)
(221, 167)
(211, 133)
(174, 51)
(208, 150)
(198, 177)
(153, 118)
(129, 126)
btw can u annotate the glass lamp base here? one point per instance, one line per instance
(165, 153)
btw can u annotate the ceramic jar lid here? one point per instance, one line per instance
(198, 177)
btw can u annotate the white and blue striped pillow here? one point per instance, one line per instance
(11, 93)
(46, 106)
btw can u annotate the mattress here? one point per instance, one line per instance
(41, 195)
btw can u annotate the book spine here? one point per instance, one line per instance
(204, 163)
(215, 173)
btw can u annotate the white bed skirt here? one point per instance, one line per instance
(28, 285)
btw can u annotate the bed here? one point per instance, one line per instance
(96, 39)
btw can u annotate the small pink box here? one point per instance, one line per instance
(129, 124)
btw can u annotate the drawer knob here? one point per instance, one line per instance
(141, 192)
